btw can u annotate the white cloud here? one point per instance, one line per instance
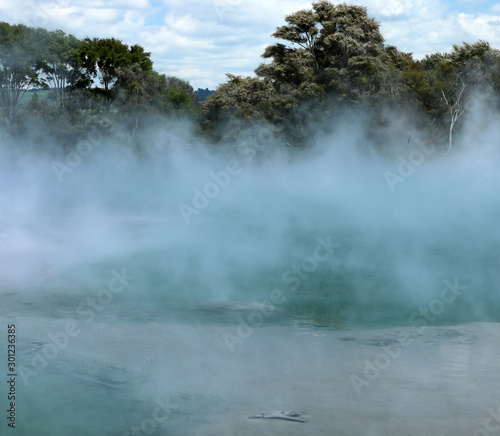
(481, 26)
(388, 8)
(429, 26)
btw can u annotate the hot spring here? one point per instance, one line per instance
(180, 291)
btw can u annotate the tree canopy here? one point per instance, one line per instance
(80, 83)
(324, 60)
(335, 47)
(332, 57)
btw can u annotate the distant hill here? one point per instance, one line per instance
(203, 94)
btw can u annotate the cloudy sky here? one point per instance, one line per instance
(200, 41)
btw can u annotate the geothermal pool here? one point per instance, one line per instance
(306, 284)
(171, 378)
(119, 342)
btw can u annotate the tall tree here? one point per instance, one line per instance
(327, 55)
(101, 59)
(59, 61)
(331, 48)
(19, 69)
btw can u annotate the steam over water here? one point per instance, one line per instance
(396, 237)
(335, 239)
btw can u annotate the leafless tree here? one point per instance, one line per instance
(457, 105)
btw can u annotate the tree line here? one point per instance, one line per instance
(81, 84)
(333, 58)
(327, 59)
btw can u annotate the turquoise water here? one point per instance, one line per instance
(341, 293)
(359, 287)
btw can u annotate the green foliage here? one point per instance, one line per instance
(325, 59)
(58, 61)
(333, 46)
(101, 59)
(143, 96)
(241, 100)
(178, 96)
(18, 69)
(333, 56)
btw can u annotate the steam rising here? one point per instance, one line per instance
(118, 207)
